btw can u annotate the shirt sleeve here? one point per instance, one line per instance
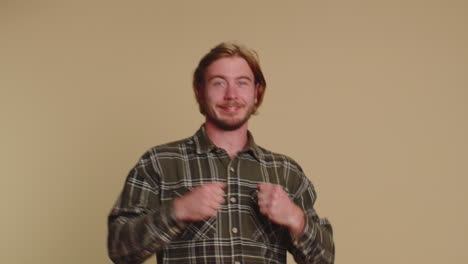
(140, 224)
(315, 244)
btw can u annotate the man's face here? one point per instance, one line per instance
(229, 95)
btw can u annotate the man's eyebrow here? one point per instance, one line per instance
(216, 76)
(224, 77)
(244, 77)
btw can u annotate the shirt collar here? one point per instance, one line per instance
(203, 144)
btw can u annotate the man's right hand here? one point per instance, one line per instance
(201, 203)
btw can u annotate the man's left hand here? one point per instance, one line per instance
(274, 203)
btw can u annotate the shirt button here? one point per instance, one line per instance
(232, 169)
(233, 199)
(235, 230)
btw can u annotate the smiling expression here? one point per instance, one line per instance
(229, 94)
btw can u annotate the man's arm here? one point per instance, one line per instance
(315, 243)
(139, 224)
(312, 238)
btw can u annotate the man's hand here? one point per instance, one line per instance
(201, 203)
(274, 203)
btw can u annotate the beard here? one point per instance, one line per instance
(228, 124)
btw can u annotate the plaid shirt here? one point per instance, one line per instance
(142, 222)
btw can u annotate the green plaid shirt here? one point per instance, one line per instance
(142, 222)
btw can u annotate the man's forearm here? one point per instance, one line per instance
(134, 238)
(315, 244)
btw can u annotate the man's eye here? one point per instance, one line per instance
(242, 83)
(218, 83)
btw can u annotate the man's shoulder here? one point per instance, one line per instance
(181, 143)
(269, 156)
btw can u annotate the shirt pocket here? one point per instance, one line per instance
(200, 230)
(259, 228)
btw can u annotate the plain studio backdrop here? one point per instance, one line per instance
(370, 97)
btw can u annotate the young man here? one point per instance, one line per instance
(217, 197)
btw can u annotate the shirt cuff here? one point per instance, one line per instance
(179, 225)
(309, 242)
(301, 241)
(170, 224)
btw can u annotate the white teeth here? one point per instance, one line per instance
(231, 108)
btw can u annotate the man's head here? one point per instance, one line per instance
(228, 50)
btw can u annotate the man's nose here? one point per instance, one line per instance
(231, 92)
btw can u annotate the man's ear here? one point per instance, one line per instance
(199, 92)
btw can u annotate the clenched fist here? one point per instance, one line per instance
(201, 203)
(274, 203)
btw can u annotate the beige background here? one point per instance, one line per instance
(370, 97)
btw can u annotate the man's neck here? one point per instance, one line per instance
(231, 141)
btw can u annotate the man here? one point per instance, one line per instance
(217, 197)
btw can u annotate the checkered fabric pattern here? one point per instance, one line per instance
(142, 221)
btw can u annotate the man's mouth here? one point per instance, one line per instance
(230, 108)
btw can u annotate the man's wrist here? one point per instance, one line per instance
(179, 210)
(297, 223)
